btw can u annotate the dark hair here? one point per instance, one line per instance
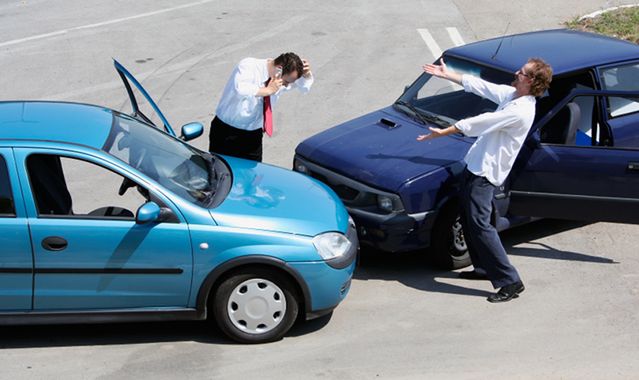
(541, 75)
(290, 62)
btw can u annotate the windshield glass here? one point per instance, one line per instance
(444, 102)
(182, 169)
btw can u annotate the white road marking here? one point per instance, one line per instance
(96, 25)
(434, 48)
(455, 36)
(183, 66)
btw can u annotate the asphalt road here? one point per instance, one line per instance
(402, 319)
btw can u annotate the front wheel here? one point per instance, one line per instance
(255, 306)
(448, 244)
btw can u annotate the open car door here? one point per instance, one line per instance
(128, 78)
(583, 161)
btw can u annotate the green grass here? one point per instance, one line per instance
(621, 23)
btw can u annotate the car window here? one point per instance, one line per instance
(573, 124)
(64, 186)
(189, 173)
(621, 78)
(449, 101)
(6, 198)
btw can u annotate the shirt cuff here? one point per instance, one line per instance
(305, 83)
(462, 126)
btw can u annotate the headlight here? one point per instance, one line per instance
(331, 245)
(385, 203)
(300, 167)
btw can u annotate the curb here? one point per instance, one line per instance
(597, 13)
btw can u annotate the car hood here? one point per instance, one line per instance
(270, 198)
(371, 152)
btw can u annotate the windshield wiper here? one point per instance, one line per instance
(422, 117)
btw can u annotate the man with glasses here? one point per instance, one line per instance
(244, 112)
(500, 135)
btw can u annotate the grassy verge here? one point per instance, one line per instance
(621, 23)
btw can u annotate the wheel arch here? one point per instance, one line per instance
(222, 271)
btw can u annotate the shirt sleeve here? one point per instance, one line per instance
(488, 122)
(304, 84)
(496, 93)
(243, 79)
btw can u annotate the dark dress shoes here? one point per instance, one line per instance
(507, 293)
(472, 275)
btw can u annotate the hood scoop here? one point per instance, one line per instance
(388, 124)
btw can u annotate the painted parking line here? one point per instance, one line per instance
(455, 36)
(99, 24)
(434, 48)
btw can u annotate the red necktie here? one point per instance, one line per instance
(268, 115)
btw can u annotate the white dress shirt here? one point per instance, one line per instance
(500, 134)
(239, 105)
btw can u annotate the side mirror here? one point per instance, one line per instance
(191, 131)
(147, 213)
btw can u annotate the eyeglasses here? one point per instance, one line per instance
(521, 72)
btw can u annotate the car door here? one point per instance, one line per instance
(579, 166)
(143, 108)
(16, 261)
(89, 253)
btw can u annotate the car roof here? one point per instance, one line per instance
(565, 50)
(65, 122)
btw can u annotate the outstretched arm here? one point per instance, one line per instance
(442, 71)
(438, 132)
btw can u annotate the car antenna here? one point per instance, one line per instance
(500, 42)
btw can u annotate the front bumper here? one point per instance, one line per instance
(328, 281)
(394, 232)
(398, 232)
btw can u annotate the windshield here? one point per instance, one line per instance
(444, 102)
(182, 169)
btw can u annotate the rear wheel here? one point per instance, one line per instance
(448, 244)
(255, 306)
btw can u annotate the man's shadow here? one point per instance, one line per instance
(416, 269)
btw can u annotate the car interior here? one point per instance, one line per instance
(575, 122)
(52, 194)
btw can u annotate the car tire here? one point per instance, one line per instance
(448, 246)
(255, 306)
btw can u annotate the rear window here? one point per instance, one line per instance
(6, 199)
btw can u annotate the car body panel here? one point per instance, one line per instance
(587, 50)
(41, 120)
(265, 197)
(114, 263)
(16, 260)
(386, 158)
(128, 78)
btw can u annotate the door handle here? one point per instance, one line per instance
(634, 166)
(54, 243)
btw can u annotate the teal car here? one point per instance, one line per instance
(110, 217)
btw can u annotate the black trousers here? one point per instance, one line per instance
(231, 141)
(484, 246)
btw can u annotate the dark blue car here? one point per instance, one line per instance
(580, 161)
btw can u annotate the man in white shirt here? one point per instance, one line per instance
(254, 86)
(500, 135)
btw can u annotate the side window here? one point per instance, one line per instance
(73, 187)
(621, 78)
(6, 199)
(574, 124)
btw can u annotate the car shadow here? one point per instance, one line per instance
(110, 334)
(131, 333)
(415, 270)
(543, 228)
